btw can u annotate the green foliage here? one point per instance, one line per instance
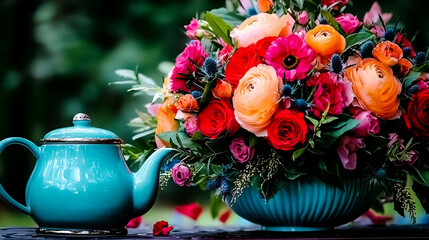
(229, 17)
(220, 27)
(326, 14)
(216, 205)
(422, 194)
(336, 129)
(408, 81)
(357, 39)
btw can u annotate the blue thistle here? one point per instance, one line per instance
(301, 104)
(225, 189)
(390, 34)
(287, 90)
(366, 49)
(406, 51)
(380, 174)
(336, 65)
(413, 89)
(252, 12)
(197, 94)
(323, 21)
(210, 67)
(213, 184)
(420, 58)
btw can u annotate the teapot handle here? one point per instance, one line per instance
(35, 150)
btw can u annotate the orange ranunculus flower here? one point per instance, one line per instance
(325, 41)
(376, 88)
(223, 89)
(260, 26)
(387, 52)
(265, 5)
(404, 68)
(187, 103)
(255, 98)
(166, 122)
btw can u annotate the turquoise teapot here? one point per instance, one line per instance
(81, 184)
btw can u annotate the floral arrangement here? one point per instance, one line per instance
(270, 91)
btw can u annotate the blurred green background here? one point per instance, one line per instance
(57, 58)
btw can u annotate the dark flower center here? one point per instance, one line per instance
(290, 62)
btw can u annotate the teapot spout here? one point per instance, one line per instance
(146, 182)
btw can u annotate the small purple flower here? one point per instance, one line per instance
(241, 152)
(412, 157)
(368, 124)
(182, 175)
(346, 149)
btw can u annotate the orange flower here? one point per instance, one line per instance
(376, 88)
(388, 53)
(325, 40)
(404, 68)
(165, 118)
(260, 26)
(255, 98)
(265, 5)
(222, 90)
(187, 103)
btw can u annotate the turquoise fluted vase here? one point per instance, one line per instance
(306, 205)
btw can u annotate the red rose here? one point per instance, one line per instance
(405, 43)
(244, 59)
(417, 115)
(217, 118)
(161, 228)
(263, 44)
(336, 95)
(287, 129)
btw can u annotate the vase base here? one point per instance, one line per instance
(81, 232)
(294, 229)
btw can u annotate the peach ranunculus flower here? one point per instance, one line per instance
(260, 26)
(376, 88)
(325, 41)
(165, 121)
(388, 53)
(255, 99)
(187, 103)
(223, 89)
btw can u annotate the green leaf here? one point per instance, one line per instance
(329, 137)
(207, 95)
(377, 206)
(220, 27)
(215, 205)
(420, 176)
(422, 68)
(422, 194)
(329, 119)
(298, 3)
(357, 39)
(298, 153)
(411, 78)
(312, 120)
(332, 20)
(178, 138)
(229, 17)
(198, 136)
(375, 143)
(398, 207)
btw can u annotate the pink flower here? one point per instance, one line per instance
(348, 22)
(192, 210)
(393, 139)
(224, 52)
(245, 7)
(134, 223)
(368, 123)
(378, 30)
(182, 175)
(241, 152)
(161, 228)
(412, 157)
(291, 57)
(192, 29)
(372, 16)
(423, 85)
(346, 149)
(335, 94)
(152, 109)
(303, 18)
(336, 4)
(181, 77)
(191, 125)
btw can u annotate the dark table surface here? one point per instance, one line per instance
(418, 231)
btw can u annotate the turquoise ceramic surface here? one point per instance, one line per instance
(81, 182)
(310, 205)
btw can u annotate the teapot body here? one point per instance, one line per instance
(80, 186)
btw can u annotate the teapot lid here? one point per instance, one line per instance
(81, 132)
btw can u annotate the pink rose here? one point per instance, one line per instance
(372, 16)
(192, 29)
(191, 125)
(346, 149)
(348, 22)
(241, 152)
(152, 109)
(182, 175)
(303, 18)
(368, 123)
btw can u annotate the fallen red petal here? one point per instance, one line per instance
(192, 210)
(158, 227)
(225, 216)
(134, 223)
(377, 219)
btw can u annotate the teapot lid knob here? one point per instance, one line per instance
(81, 119)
